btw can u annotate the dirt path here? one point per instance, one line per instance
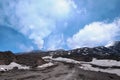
(62, 71)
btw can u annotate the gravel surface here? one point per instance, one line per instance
(60, 71)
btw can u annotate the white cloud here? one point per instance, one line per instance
(25, 48)
(35, 18)
(95, 34)
(55, 42)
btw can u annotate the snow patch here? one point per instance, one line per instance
(105, 63)
(89, 67)
(65, 60)
(69, 53)
(109, 63)
(11, 66)
(47, 57)
(46, 65)
(111, 43)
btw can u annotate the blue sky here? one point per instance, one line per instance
(27, 25)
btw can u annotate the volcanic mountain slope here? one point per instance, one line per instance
(24, 59)
(29, 60)
(111, 51)
(6, 57)
(78, 64)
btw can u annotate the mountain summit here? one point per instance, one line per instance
(113, 43)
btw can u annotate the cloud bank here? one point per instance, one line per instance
(36, 19)
(95, 34)
(55, 42)
(50, 24)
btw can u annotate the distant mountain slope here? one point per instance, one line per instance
(33, 58)
(86, 53)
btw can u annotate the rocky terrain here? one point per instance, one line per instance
(60, 71)
(25, 59)
(97, 63)
(6, 57)
(110, 51)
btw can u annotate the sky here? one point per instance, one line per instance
(27, 25)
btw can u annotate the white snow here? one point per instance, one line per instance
(69, 53)
(11, 66)
(109, 63)
(89, 67)
(84, 53)
(46, 65)
(111, 43)
(65, 60)
(2, 69)
(47, 57)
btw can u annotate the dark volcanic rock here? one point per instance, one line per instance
(32, 60)
(115, 47)
(6, 57)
